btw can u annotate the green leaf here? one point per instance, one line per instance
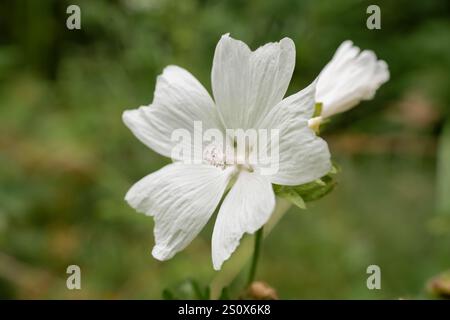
(316, 191)
(308, 192)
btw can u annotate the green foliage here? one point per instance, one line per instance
(187, 290)
(308, 192)
(443, 171)
(225, 295)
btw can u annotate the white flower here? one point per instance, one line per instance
(248, 88)
(350, 76)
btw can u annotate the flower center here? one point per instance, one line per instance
(216, 156)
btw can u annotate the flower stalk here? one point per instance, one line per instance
(230, 270)
(255, 257)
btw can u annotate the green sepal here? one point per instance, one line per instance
(308, 192)
(291, 195)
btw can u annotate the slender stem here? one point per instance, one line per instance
(255, 257)
(243, 252)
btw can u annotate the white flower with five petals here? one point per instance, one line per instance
(248, 88)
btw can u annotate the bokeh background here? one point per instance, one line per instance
(67, 160)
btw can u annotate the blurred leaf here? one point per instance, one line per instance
(167, 295)
(225, 294)
(443, 171)
(187, 290)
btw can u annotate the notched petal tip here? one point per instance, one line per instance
(229, 43)
(285, 43)
(368, 56)
(345, 46)
(226, 35)
(132, 117)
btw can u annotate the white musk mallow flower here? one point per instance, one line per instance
(350, 77)
(248, 88)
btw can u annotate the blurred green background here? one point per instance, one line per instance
(67, 160)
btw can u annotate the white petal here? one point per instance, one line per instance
(179, 100)
(303, 156)
(246, 208)
(350, 76)
(247, 84)
(181, 198)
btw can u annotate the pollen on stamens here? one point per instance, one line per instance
(214, 156)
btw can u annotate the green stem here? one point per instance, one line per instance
(240, 257)
(255, 258)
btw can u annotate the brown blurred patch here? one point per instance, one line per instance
(64, 242)
(260, 290)
(29, 282)
(439, 286)
(414, 110)
(33, 155)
